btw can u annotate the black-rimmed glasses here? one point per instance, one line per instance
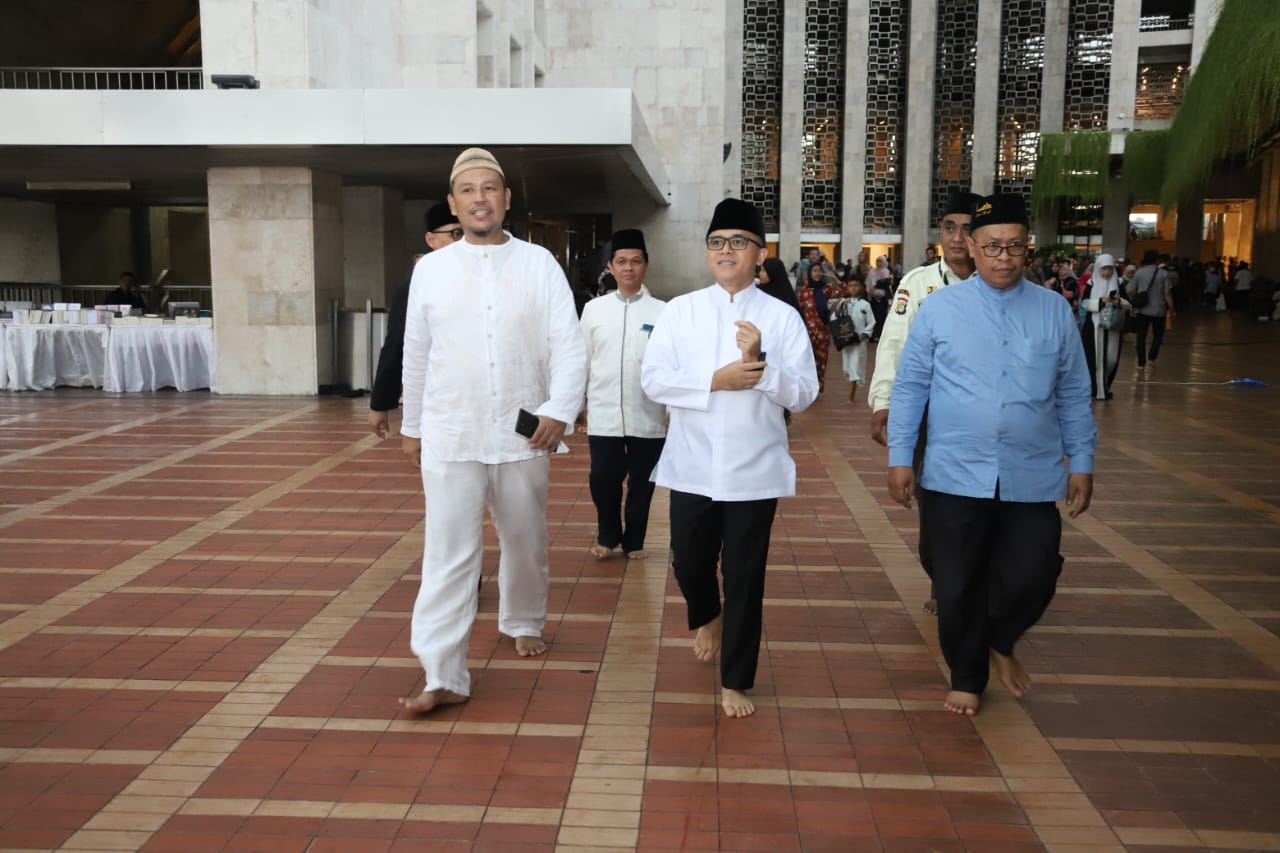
(737, 242)
(993, 250)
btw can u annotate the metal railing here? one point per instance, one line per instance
(1159, 23)
(143, 79)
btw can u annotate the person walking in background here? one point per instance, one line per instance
(814, 300)
(1148, 294)
(1103, 327)
(878, 284)
(775, 282)
(854, 355)
(625, 429)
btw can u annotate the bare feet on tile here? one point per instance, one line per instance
(706, 641)
(430, 700)
(959, 702)
(600, 552)
(528, 647)
(931, 607)
(736, 703)
(1011, 673)
(637, 555)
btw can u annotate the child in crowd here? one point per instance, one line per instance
(854, 355)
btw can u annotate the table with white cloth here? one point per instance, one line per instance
(147, 358)
(4, 357)
(40, 356)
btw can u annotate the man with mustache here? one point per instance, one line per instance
(490, 332)
(998, 362)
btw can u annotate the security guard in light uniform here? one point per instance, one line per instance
(955, 265)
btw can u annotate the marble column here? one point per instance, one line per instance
(917, 163)
(1206, 12)
(276, 265)
(733, 46)
(1053, 98)
(1188, 231)
(1115, 219)
(375, 255)
(1124, 71)
(986, 85)
(853, 172)
(29, 250)
(789, 167)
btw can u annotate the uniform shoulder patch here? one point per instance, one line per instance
(902, 291)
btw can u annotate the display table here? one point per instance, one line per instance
(34, 357)
(47, 355)
(147, 358)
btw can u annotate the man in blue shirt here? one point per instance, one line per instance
(999, 363)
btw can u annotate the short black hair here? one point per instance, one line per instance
(127, 273)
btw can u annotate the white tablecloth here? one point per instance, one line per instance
(4, 357)
(46, 355)
(146, 358)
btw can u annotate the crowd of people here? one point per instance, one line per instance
(493, 365)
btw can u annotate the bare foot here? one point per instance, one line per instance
(637, 555)
(931, 607)
(1011, 673)
(959, 702)
(599, 551)
(431, 699)
(706, 642)
(736, 703)
(528, 647)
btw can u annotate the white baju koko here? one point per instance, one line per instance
(853, 357)
(489, 330)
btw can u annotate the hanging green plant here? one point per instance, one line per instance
(1071, 165)
(1232, 100)
(1145, 155)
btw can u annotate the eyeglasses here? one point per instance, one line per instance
(455, 233)
(993, 250)
(737, 242)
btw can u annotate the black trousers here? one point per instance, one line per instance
(736, 533)
(978, 541)
(1156, 325)
(614, 459)
(917, 466)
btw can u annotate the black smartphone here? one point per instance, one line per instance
(761, 358)
(526, 423)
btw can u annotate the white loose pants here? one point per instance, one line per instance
(457, 493)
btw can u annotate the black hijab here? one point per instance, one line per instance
(779, 286)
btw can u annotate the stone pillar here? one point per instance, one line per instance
(29, 242)
(376, 258)
(1190, 227)
(917, 163)
(1115, 219)
(275, 239)
(789, 167)
(853, 170)
(1265, 246)
(1053, 99)
(1124, 71)
(1206, 19)
(733, 97)
(986, 82)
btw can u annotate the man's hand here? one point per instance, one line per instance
(581, 422)
(902, 485)
(880, 427)
(412, 447)
(379, 423)
(748, 340)
(737, 376)
(1079, 493)
(548, 434)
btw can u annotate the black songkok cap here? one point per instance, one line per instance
(961, 202)
(439, 215)
(734, 214)
(627, 238)
(999, 209)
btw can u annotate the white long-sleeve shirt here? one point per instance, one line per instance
(728, 445)
(489, 330)
(617, 330)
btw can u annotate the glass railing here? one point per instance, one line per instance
(1159, 23)
(143, 79)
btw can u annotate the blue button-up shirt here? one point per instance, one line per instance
(1007, 388)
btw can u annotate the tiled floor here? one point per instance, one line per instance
(203, 630)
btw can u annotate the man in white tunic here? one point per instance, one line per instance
(625, 429)
(727, 361)
(490, 330)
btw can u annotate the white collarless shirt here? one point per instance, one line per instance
(728, 445)
(489, 330)
(617, 331)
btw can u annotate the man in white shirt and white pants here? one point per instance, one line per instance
(727, 360)
(625, 429)
(490, 330)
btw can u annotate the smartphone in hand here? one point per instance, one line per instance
(526, 423)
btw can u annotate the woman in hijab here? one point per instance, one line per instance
(1104, 326)
(775, 282)
(879, 283)
(813, 297)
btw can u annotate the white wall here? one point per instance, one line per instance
(29, 242)
(672, 54)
